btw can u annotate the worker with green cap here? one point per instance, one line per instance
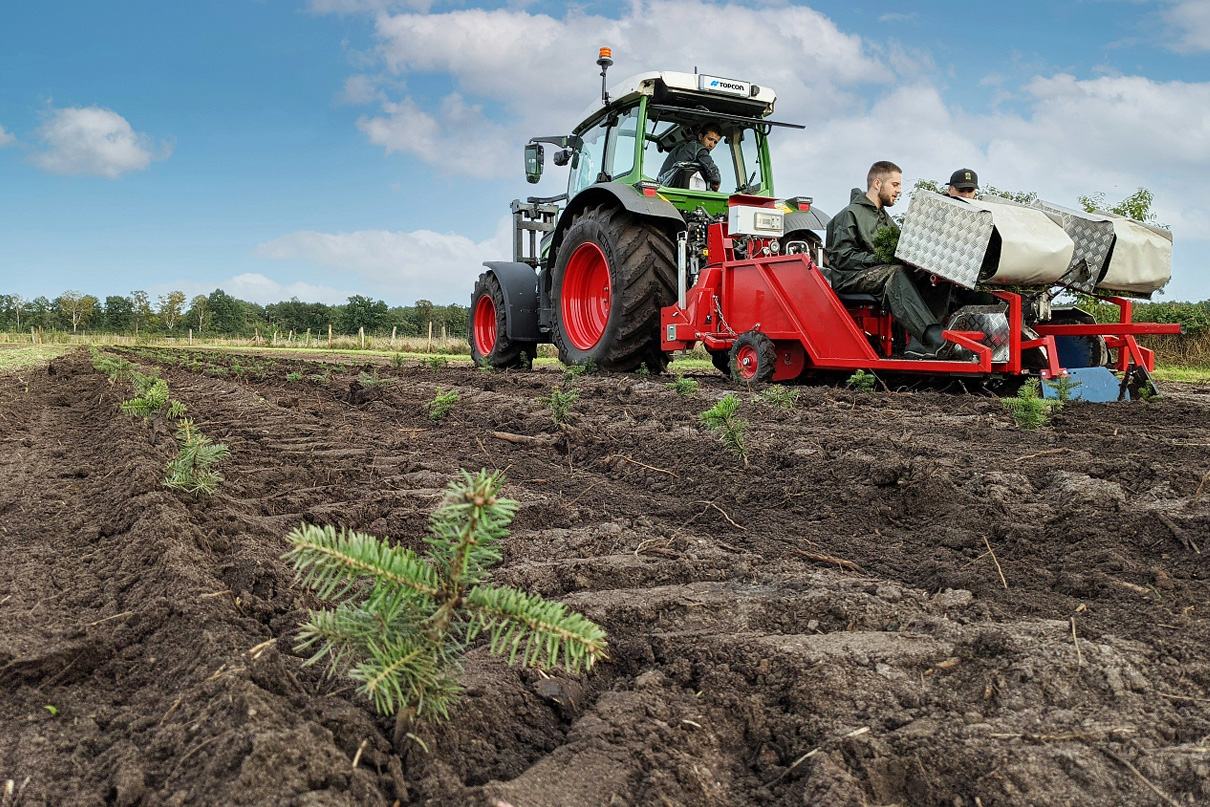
(853, 268)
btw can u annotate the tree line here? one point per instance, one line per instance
(220, 314)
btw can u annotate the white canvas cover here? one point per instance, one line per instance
(1034, 249)
(1141, 261)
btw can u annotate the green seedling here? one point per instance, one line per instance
(1029, 409)
(559, 403)
(437, 362)
(176, 410)
(861, 381)
(684, 386)
(722, 419)
(401, 622)
(295, 376)
(885, 242)
(442, 404)
(574, 371)
(368, 381)
(780, 397)
(397, 360)
(54, 712)
(1064, 388)
(190, 471)
(151, 397)
(643, 371)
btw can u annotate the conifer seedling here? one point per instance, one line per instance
(559, 403)
(442, 404)
(722, 419)
(401, 622)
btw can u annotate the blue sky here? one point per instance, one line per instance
(322, 148)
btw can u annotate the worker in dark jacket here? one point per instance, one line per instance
(915, 304)
(697, 152)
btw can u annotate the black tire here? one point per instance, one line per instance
(497, 349)
(640, 261)
(722, 361)
(813, 241)
(753, 358)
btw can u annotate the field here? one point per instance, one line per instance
(903, 599)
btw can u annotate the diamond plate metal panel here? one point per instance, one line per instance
(991, 320)
(946, 237)
(1093, 237)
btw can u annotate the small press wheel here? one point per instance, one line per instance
(753, 357)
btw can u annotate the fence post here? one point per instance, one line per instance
(191, 336)
(393, 337)
(329, 336)
(33, 337)
(307, 343)
(430, 347)
(361, 331)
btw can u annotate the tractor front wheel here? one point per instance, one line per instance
(488, 330)
(613, 274)
(753, 357)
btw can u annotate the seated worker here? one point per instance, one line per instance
(915, 303)
(964, 183)
(697, 152)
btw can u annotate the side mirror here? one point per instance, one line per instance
(534, 158)
(562, 157)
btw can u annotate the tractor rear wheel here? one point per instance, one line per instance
(613, 274)
(753, 358)
(488, 328)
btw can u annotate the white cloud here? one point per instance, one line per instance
(458, 137)
(6, 138)
(95, 141)
(1190, 20)
(538, 69)
(398, 266)
(360, 90)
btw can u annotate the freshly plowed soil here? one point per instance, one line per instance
(904, 600)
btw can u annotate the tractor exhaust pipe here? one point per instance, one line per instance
(682, 269)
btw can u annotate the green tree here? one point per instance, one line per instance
(226, 312)
(41, 312)
(171, 306)
(76, 308)
(362, 312)
(12, 309)
(198, 314)
(141, 305)
(1136, 206)
(119, 313)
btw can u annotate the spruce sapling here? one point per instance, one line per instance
(684, 386)
(559, 403)
(862, 381)
(151, 397)
(190, 470)
(402, 622)
(1029, 409)
(442, 404)
(721, 418)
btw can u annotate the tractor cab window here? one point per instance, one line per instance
(737, 155)
(622, 144)
(590, 161)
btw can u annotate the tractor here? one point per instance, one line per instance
(644, 259)
(592, 268)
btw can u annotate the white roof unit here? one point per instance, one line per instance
(712, 91)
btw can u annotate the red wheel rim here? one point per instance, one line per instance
(747, 360)
(586, 296)
(485, 325)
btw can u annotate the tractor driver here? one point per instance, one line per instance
(853, 267)
(964, 183)
(697, 152)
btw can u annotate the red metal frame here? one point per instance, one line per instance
(787, 298)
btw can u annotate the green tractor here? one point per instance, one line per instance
(592, 268)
